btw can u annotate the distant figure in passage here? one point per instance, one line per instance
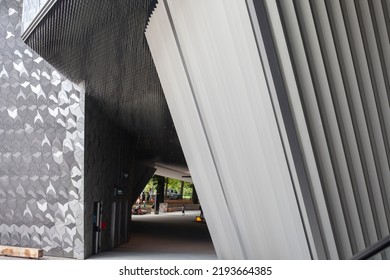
(182, 210)
(148, 197)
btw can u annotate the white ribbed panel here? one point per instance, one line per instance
(337, 91)
(339, 52)
(304, 77)
(307, 211)
(189, 126)
(225, 121)
(301, 126)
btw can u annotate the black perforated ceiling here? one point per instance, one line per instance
(103, 43)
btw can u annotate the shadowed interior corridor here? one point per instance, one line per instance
(165, 236)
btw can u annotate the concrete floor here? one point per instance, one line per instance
(165, 236)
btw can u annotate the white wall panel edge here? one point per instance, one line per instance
(183, 109)
(282, 129)
(297, 37)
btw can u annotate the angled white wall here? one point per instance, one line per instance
(333, 57)
(209, 66)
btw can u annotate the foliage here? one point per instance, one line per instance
(173, 184)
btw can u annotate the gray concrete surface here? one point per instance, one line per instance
(165, 236)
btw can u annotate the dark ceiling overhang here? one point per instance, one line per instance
(102, 43)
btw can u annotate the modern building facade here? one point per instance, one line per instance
(278, 109)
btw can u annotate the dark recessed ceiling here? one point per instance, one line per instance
(103, 43)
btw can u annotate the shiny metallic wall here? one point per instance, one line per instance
(41, 148)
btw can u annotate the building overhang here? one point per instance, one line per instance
(103, 44)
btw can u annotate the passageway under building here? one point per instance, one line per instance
(278, 111)
(164, 236)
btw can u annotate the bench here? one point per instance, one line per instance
(177, 207)
(22, 252)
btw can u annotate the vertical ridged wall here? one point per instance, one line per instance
(335, 60)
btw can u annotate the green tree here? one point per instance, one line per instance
(173, 184)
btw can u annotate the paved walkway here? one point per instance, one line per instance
(165, 236)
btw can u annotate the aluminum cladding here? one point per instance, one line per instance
(41, 148)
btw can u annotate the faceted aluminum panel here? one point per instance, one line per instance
(41, 148)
